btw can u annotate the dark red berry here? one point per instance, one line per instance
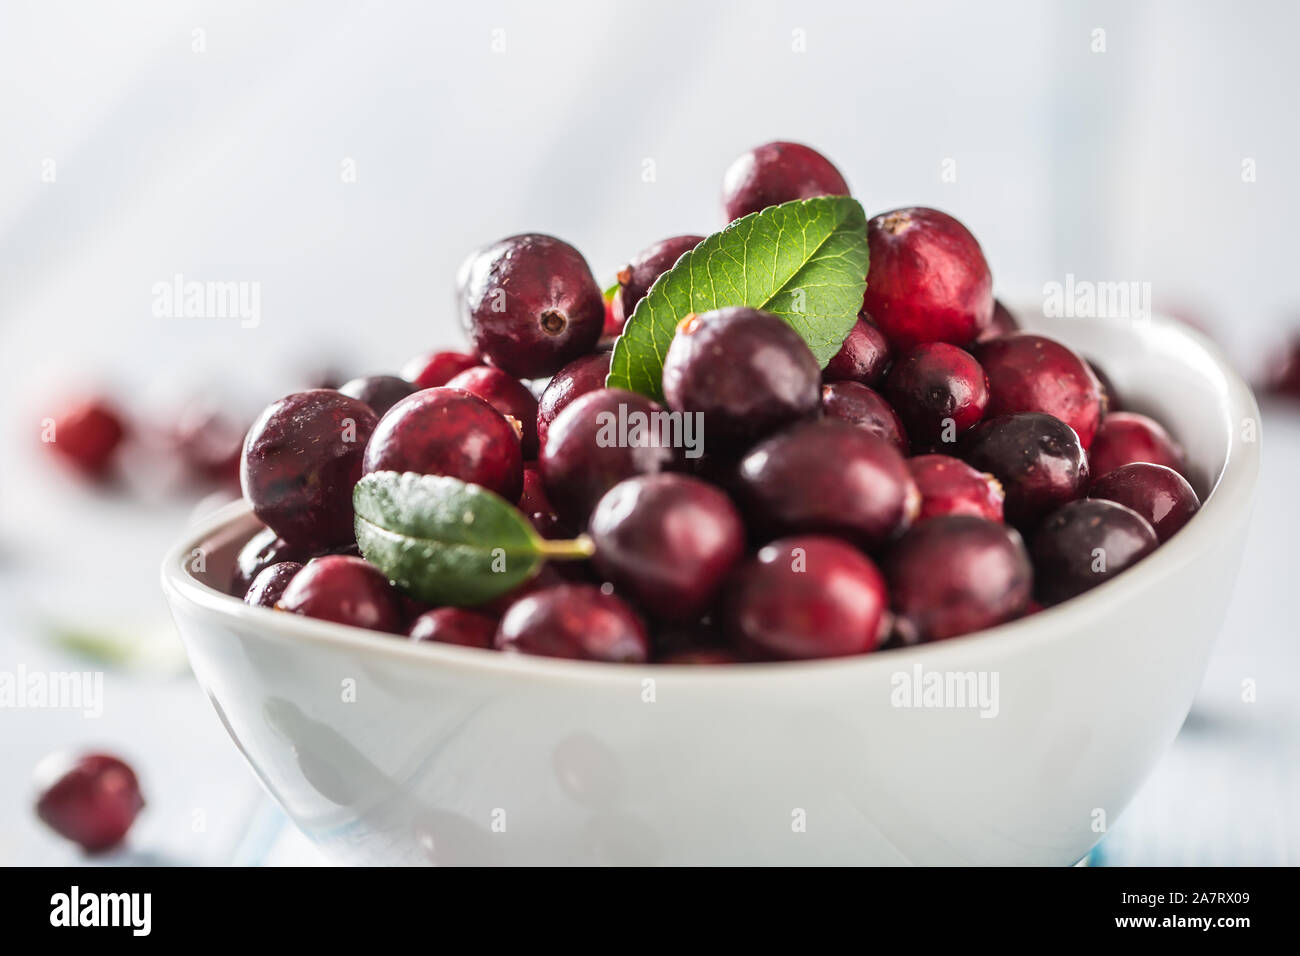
(828, 477)
(437, 368)
(301, 459)
(576, 379)
(1035, 457)
(1032, 373)
(1110, 398)
(1126, 437)
(636, 278)
(928, 281)
(269, 585)
(747, 372)
(859, 405)
(86, 435)
(806, 597)
(262, 550)
(533, 498)
(956, 574)
(1084, 543)
(380, 392)
(703, 656)
(949, 486)
(1160, 495)
(445, 431)
(864, 356)
(596, 442)
(774, 173)
(345, 590)
(91, 799)
(576, 621)
(208, 442)
(531, 305)
(667, 541)
(1281, 377)
(939, 391)
(454, 625)
(1002, 323)
(507, 395)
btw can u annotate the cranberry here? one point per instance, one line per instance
(1032, 373)
(939, 391)
(774, 173)
(956, 574)
(1084, 543)
(445, 431)
(301, 459)
(1126, 437)
(949, 486)
(1002, 323)
(260, 552)
(380, 392)
(586, 455)
(667, 541)
(454, 625)
(1160, 495)
(208, 442)
(859, 405)
(577, 621)
(91, 800)
(828, 477)
(270, 583)
(576, 379)
(1037, 459)
(1110, 400)
(437, 368)
(747, 372)
(805, 597)
(507, 395)
(928, 281)
(87, 434)
(864, 356)
(636, 278)
(531, 305)
(345, 590)
(1282, 376)
(533, 498)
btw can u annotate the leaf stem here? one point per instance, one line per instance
(572, 550)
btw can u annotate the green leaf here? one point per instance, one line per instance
(447, 541)
(804, 261)
(611, 292)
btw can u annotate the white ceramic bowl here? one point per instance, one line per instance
(386, 752)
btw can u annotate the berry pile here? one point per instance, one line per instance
(944, 473)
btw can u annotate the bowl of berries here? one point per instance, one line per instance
(792, 546)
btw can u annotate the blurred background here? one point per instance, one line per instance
(345, 157)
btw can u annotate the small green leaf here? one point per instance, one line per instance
(804, 261)
(447, 541)
(611, 292)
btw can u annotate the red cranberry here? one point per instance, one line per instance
(532, 304)
(1032, 373)
(1036, 458)
(1160, 495)
(260, 552)
(667, 541)
(269, 585)
(1110, 400)
(806, 597)
(949, 486)
(747, 372)
(577, 621)
(928, 281)
(956, 574)
(454, 625)
(636, 278)
(301, 459)
(859, 405)
(91, 800)
(586, 453)
(1282, 376)
(437, 368)
(828, 477)
(445, 431)
(208, 442)
(507, 395)
(380, 392)
(345, 590)
(1002, 323)
(774, 173)
(533, 499)
(939, 391)
(576, 379)
(1126, 437)
(87, 434)
(1084, 543)
(864, 356)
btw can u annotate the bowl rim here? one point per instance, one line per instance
(1229, 499)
